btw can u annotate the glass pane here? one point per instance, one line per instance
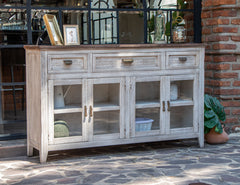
(106, 122)
(38, 26)
(157, 27)
(131, 27)
(68, 96)
(181, 90)
(56, 3)
(106, 94)
(109, 4)
(78, 18)
(67, 125)
(13, 93)
(170, 4)
(13, 26)
(104, 27)
(13, 3)
(147, 119)
(147, 92)
(181, 117)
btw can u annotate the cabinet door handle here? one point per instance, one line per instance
(91, 111)
(85, 111)
(182, 59)
(163, 104)
(169, 108)
(67, 62)
(127, 61)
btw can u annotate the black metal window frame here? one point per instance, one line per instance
(196, 10)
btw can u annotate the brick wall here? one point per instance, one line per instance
(221, 34)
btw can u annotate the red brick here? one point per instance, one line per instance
(218, 83)
(214, 38)
(208, 90)
(223, 2)
(236, 21)
(224, 46)
(218, 66)
(209, 74)
(224, 13)
(206, 31)
(226, 75)
(227, 92)
(211, 22)
(205, 15)
(231, 120)
(236, 38)
(230, 103)
(236, 83)
(236, 112)
(227, 111)
(208, 58)
(225, 58)
(236, 66)
(225, 30)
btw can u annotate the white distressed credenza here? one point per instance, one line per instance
(98, 91)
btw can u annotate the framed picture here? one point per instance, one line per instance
(71, 34)
(53, 30)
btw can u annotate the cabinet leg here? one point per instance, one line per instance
(201, 141)
(29, 150)
(43, 156)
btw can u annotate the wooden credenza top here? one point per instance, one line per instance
(116, 46)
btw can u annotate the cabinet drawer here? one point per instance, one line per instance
(182, 60)
(126, 61)
(67, 63)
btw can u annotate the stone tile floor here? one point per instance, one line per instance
(161, 163)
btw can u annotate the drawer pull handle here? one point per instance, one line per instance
(169, 108)
(182, 59)
(127, 61)
(91, 111)
(67, 62)
(85, 111)
(163, 106)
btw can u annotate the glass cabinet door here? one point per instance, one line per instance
(181, 104)
(106, 109)
(147, 106)
(67, 110)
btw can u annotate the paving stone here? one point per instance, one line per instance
(94, 178)
(49, 175)
(214, 160)
(66, 180)
(117, 181)
(230, 178)
(73, 173)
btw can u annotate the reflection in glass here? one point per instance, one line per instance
(170, 4)
(78, 18)
(182, 90)
(106, 122)
(56, 3)
(181, 117)
(68, 96)
(147, 92)
(12, 3)
(104, 27)
(151, 114)
(131, 27)
(72, 123)
(13, 93)
(106, 94)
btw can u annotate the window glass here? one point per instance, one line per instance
(131, 27)
(78, 18)
(13, 26)
(56, 3)
(170, 4)
(110, 4)
(12, 2)
(104, 27)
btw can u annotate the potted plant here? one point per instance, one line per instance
(213, 115)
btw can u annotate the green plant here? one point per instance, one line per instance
(213, 114)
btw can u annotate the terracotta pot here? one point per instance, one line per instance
(215, 138)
